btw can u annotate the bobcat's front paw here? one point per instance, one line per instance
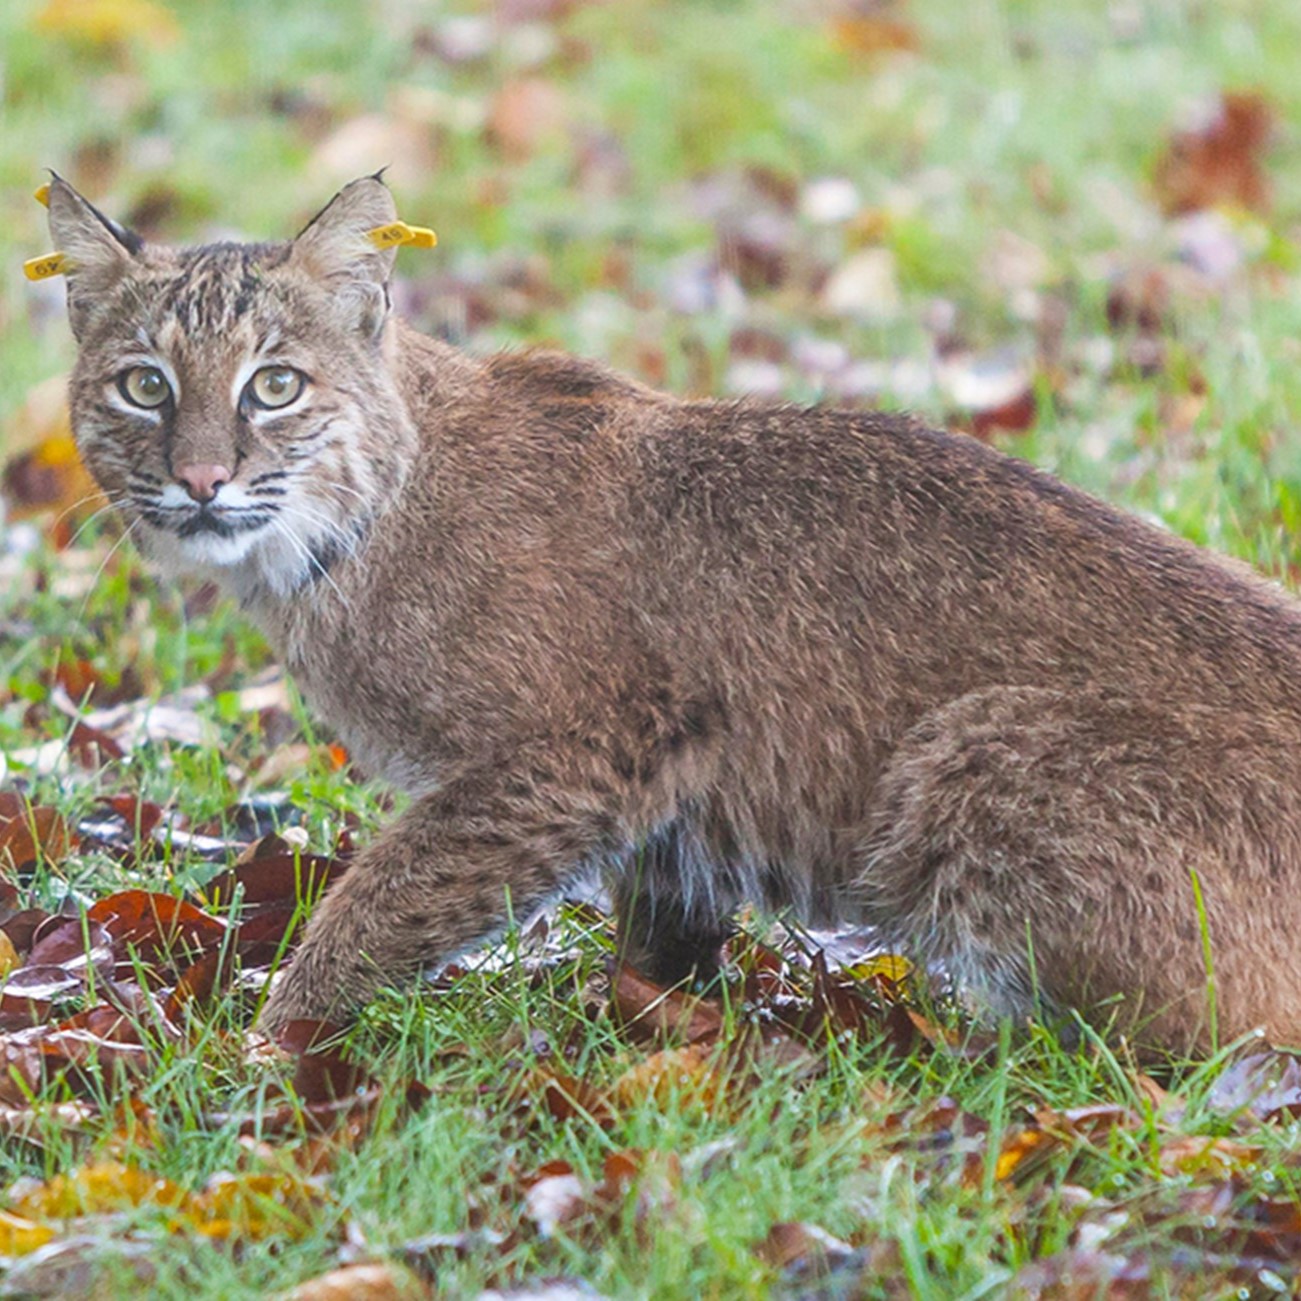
(297, 996)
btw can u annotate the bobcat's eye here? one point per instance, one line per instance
(275, 386)
(144, 386)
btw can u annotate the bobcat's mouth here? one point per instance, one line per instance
(220, 522)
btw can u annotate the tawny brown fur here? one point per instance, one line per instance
(832, 660)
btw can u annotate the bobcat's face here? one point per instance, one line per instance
(233, 400)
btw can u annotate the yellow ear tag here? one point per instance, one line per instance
(42, 194)
(398, 232)
(45, 266)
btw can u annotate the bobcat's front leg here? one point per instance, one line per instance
(444, 876)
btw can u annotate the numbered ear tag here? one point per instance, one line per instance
(45, 266)
(42, 194)
(397, 233)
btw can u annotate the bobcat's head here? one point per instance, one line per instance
(235, 400)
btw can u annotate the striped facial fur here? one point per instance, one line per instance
(233, 400)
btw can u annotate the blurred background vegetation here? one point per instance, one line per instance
(993, 212)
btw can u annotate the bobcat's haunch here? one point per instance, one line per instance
(726, 651)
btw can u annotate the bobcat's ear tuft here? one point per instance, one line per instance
(98, 250)
(335, 248)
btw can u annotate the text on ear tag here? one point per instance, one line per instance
(45, 266)
(398, 232)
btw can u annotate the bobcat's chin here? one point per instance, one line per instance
(201, 551)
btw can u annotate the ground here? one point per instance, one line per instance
(1072, 230)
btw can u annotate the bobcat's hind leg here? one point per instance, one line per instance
(1038, 841)
(672, 913)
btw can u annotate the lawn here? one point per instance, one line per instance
(1073, 230)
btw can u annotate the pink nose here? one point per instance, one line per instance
(202, 481)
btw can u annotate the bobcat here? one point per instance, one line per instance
(727, 651)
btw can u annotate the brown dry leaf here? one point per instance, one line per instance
(47, 474)
(1220, 160)
(806, 1246)
(1205, 1155)
(993, 391)
(648, 1011)
(30, 832)
(108, 22)
(372, 1282)
(410, 145)
(526, 114)
(565, 1096)
(1266, 1085)
(156, 926)
(874, 27)
(686, 1076)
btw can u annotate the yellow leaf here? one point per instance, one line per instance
(8, 955)
(19, 1236)
(95, 1189)
(253, 1206)
(1019, 1148)
(893, 966)
(108, 22)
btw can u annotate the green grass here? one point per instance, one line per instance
(1042, 120)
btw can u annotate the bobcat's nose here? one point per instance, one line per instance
(202, 481)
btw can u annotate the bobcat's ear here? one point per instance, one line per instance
(335, 248)
(98, 251)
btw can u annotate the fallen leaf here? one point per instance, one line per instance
(108, 22)
(1219, 160)
(1267, 1085)
(155, 927)
(875, 28)
(372, 1282)
(648, 1011)
(553, 1196)
(805, 1248)
(31, 832)
(19, 1235)
(686, 1076)
(525, 114)
(96, 1189)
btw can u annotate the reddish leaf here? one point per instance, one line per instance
(1219, 161)
(276, 878)
(30, 832)
(565, 1097)
(197, 984)
(21, 927)
(153, 925)
(649, 1012)
(76, 944)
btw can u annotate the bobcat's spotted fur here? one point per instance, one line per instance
(837, 661)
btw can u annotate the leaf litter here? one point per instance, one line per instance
(98, 996)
